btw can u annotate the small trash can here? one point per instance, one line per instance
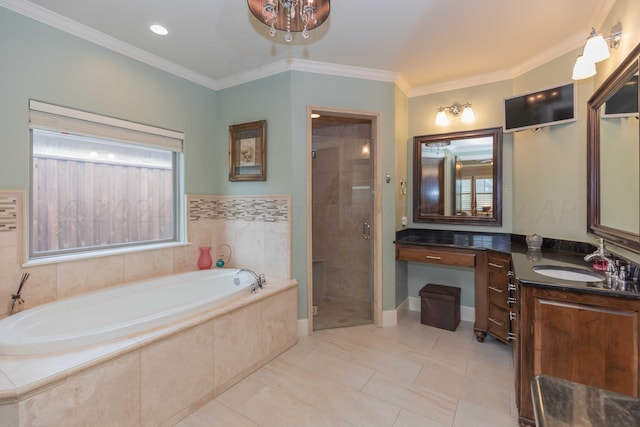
(440, 306)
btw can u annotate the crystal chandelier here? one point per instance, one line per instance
(290, 15)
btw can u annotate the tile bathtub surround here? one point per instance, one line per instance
(152, 380)
(256, 227)
(406, 376)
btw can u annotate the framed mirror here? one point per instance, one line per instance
(613, 153)
(458, 177)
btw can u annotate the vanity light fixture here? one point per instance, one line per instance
(455, 110)
(298, 16)
(596, 49)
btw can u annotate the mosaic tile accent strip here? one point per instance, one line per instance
(268, 209)
(202, 209)
(8, 214)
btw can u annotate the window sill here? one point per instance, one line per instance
(99, 254)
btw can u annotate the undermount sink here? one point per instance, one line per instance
(567, 273)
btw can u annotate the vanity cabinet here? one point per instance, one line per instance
(501, 297)
(582, 337)
(470, 258)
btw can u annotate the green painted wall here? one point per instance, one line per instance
(42, 63)
(283, 100)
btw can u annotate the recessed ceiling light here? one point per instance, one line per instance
(159, 29)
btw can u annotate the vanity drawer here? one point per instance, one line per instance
(498, 264)
(498, 294)
(498, 322)
(436, 256)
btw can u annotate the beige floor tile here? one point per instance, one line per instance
(273, 408)
(428, 403)
(336, 369)
(410, 419)
(443, 378)
(409, 376)
(215, 414)
(351, 405)
(240, 393)
(490, 373)
(389, 364)
(470, 414)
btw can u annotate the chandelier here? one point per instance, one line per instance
(290, 15)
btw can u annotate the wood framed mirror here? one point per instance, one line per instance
(458, 177)
(613, 155)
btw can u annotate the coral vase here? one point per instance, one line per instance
(205, 262)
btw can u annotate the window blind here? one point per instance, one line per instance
(67, 120)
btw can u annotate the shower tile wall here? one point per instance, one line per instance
(341, 194)
(256, 227)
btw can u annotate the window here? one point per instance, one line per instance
(474, 195)
(100, 183)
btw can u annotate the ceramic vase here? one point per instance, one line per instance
(204, 261)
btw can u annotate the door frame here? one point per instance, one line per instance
(376, 122)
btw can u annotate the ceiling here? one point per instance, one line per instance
(424, 45)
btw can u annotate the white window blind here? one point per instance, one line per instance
(67, 120)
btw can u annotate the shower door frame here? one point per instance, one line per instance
(376, 268)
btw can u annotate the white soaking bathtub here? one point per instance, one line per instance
(118, 312)
(147, 353)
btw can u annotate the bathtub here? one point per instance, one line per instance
(118, 312)
(141, 354)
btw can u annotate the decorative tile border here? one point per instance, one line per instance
(8, 214)
(249, 208)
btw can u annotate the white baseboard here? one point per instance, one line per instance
(303, 327)
(468, 314)
(389, 318)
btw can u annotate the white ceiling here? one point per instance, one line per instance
(424, 45)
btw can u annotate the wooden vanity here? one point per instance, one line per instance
(494, 290)
(569, 330)
(582, 337)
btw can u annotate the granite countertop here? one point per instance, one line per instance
(562, 403)
(553, 252)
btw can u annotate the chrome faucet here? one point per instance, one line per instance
(601, 253)
(258, 282)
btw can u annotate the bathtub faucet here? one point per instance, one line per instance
(259, 279)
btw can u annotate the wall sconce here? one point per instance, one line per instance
(596, 49)
(455, 110)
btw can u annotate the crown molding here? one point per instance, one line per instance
(67, 25)
(62, 23)
(561, 48)
(482, 79)
(292, 64)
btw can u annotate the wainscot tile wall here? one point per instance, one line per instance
(254, 230)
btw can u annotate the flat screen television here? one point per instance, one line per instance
(624, 102)
(545, 107)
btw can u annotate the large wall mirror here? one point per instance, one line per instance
(613, 173)
(458, 177)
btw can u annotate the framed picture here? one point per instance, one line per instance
(247, 151)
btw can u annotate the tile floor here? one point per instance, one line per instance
(410, 375)
(338, 313)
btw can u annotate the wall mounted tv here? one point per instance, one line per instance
(623, 103)
(545, 107)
